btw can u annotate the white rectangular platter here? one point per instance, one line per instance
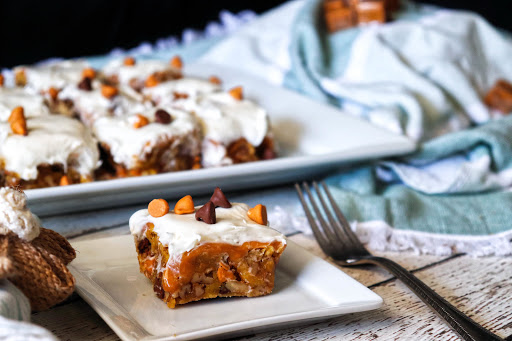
(307, 288)
(313, 138)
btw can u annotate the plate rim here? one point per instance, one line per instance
(269, 322)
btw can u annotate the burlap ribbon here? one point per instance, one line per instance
(38, 268)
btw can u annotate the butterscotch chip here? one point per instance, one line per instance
(53, 93)
(129, 61)
(215, 80)
(19, 128)
(179, 95)
(20, 78)
(2, 80)
(64, 181)
(500, 97)
(237, 93)
(141, 121)
(109, 91)
(89, 73)
(176, 62)
(151, 81)
(18, 122)
(17, 113)
(258, 214)
(185, 205)
(158, 208)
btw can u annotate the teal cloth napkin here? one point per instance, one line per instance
(425, 74)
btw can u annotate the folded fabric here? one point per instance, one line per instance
(423, 75)
(14, 312)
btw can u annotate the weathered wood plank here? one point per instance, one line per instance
(481, 288)
(75, 321)
(369, 275)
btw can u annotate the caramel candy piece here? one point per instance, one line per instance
(18, 122)
(259, 214)
(370, 11)
(207, 213)
(158, 208)
(219, 199)
(215, 80)
(339, 19)
(500, 97)
(162, 116)
(89, 73)
(176, 62)
(185, 205)
(64, 181)
(2, 80)
(141, 121)
(129, 61)
(237, 93)
(109, 91)
(85, 84)
(151, 81)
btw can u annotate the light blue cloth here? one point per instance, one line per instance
(423, 75)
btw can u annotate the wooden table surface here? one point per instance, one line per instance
(480, 287)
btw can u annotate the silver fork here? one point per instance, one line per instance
(337, 240)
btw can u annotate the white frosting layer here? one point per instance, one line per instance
(226, 119)
(163, 93)
(15, 216)
(92, 105)
(140, 71)
(129, 145)
(182, 233)
(51, 140)
(10, 98)
(55, 75)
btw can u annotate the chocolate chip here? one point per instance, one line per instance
(162, 116)
(85, 84)
(144, 246)
(157, 288)
(207, 213)
(219, 199)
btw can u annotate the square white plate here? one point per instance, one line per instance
(306, 288)
(312, 137)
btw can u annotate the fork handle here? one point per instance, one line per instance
(462, 324)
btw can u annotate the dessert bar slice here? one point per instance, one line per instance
(90, 100)
(155, 141)
(194, 253)
(46, 151)
(10, 98)
(180, 92)
(138, 74)
(53, 75)
(235, 130)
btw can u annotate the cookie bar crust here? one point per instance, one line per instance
(174, 154)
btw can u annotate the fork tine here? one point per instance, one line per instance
(327, 229)
(343, 221)
(337, 233)
(324, 243)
